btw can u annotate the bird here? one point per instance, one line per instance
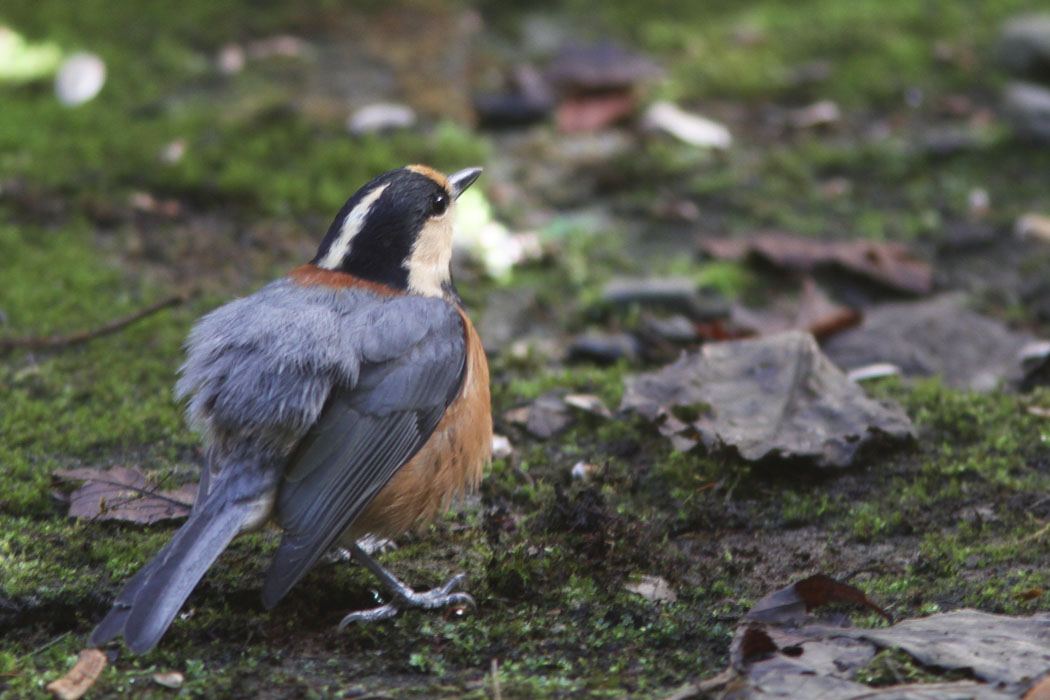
(347, 402)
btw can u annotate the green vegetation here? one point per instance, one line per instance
(958, 518)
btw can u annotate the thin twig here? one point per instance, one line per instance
(1037, 534)
(54, 341)
(48, 645)
(497, 693)
(696, 690)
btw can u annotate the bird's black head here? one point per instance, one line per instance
(397, 230)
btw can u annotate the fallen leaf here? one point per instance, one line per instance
(793, 655)
(886, 263)
(79, 679)
(776, 396)
(754, 644)
(1029, 594)
(121, 493)
(996, 648)
(790, 604)
(935, 337)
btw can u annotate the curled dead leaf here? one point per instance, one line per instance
(792, 603)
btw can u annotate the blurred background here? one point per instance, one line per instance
(657, 175)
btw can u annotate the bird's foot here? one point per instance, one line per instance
(404, 596)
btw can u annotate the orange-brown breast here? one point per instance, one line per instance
(450, 462)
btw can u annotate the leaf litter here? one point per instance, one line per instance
(781, 651)
(776, 396)
(122, 493)
(889, 264)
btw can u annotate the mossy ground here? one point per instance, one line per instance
(958, 518)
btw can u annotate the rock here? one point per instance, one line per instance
(230, 60)
(169, 679)
(676, 329)
(1028, 108)
(79, 79)
(817, 114)
(674, 294)
(1035, 226)
(530, 100)
(1023, 48)
(497, 110)
(582, 470)
(604, 348)
(501, 447)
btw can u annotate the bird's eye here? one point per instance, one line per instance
(439, 204)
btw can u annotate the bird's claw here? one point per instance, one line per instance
(408, 598)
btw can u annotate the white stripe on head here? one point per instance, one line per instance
(352, 224)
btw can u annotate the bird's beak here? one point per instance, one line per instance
(459, 181)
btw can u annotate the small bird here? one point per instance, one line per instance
(348, 400)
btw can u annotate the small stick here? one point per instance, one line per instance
(54, 341)
(494, 669)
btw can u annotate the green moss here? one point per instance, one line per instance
(950, 520)
(895, 667)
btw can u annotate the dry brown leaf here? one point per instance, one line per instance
(886, 263)
(79, 679)
(121, 493)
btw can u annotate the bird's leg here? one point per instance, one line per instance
(403, 595)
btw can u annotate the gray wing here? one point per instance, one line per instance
(366, 432)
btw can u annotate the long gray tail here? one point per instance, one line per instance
(152, 597)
